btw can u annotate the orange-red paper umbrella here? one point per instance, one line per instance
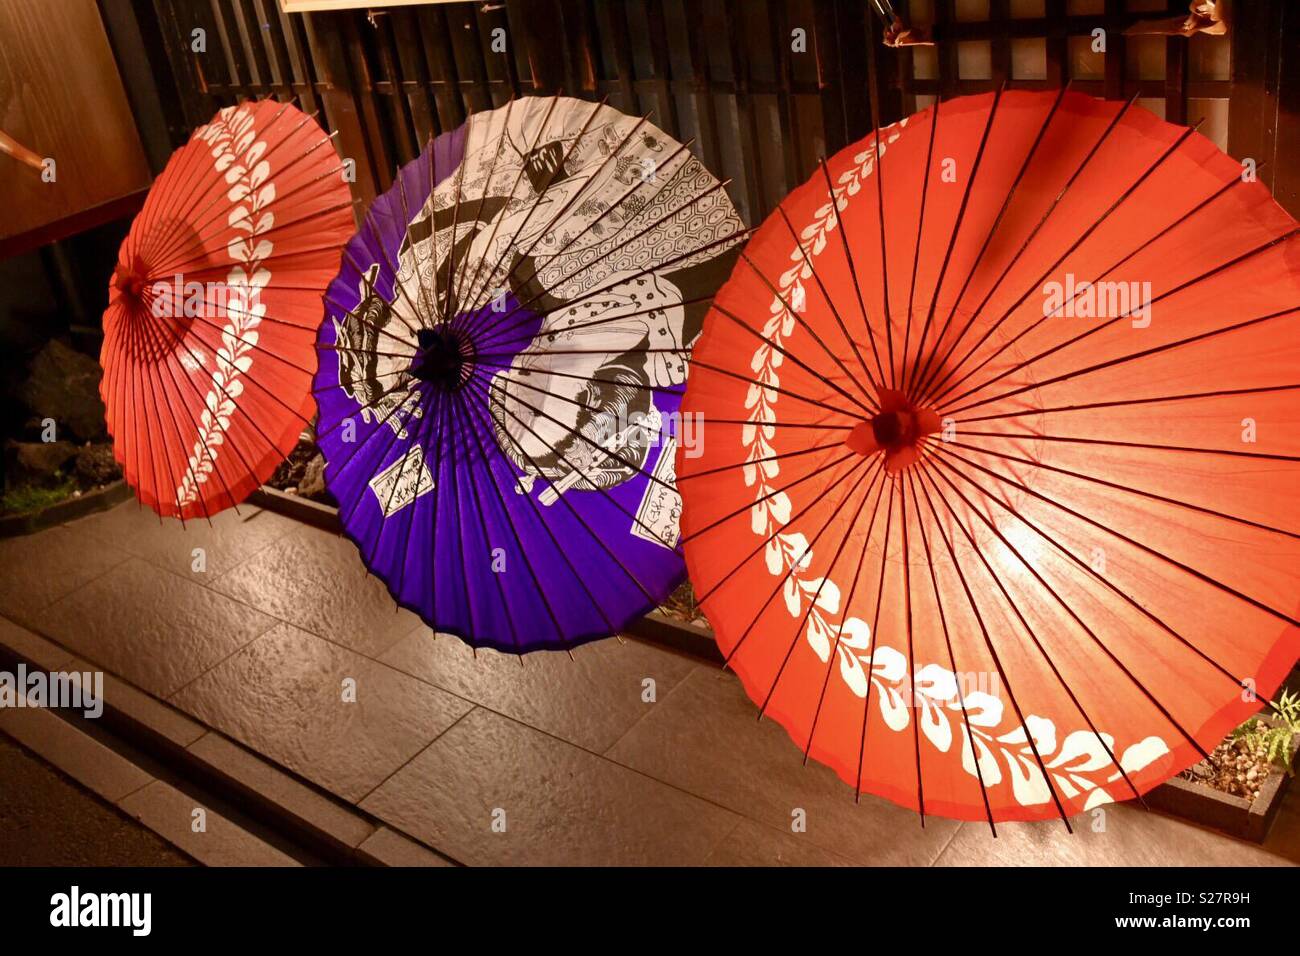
(213, 308)
(996, 512)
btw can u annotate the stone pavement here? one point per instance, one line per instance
(257, 626)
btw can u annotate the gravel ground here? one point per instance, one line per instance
(47, 820)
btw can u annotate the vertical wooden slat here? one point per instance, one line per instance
(272, 35)
(472, 76)
(663, 71)
(249, 33)
(706, 112)
(176, 47)
(414, 75)
(829, 86)
(584, 53)
(326, 43)
(787, 115)
(486, 20)
(228, 30)
(1114, 82)
(400, 125)
(296, 42)
(949, 73)
(622, 43)
(751, 138)
(1000, 44)
(543, 29)
(1176, 79)
(442, 67)
(854, 67)
(1058, 44)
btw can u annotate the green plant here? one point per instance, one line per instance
(1275, 738)
(29, 498)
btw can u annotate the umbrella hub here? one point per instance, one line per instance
(896, 430)
(444, 357)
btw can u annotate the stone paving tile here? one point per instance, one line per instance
(340, 823)
(169, 813)
(317, 581)
(143, 708)
(38, 569)
(283, 696)
(562, 805)
(704, 738)
(590, 699)
(389, 848)
(1132, 837)
(228, 540)
(753, 844)
(81, 757)
(157, 629)
(33, 647)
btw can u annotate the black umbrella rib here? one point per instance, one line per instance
(875, 627)
(456, 280)
(500, 323)
(596, 221)
(1119, 360)
(919, 372)
(528, 337)
(604, 492)
(853, 272)
(500, 327)
(1199, 575)
(1152, 446)
(590, 441)
(758, 461)
(669, 389)
(167, 458)
(873, 101)
(189, 412)
(430, 307)
(780, 584)
(487, 541)
(916, 253)
(993, 229)
(911, 654)
(149, 433)
(1069, 610)
(205, 256)
(839, 319)
(568, 563)
(1164, 499)
(912, 483)
(1151, 400)
(432, 423)
(1034, 638)
(808, 328)
(875, 466)
(200, 169)
(943, 390)
(988, 642)
(1146, 612)
(595, 174)
(167, 246)
(848, 603)
(1069, 183)
(945, 386)
(178, 340)
(537, 201)
(766, 541)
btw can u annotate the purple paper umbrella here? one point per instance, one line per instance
(500, 367)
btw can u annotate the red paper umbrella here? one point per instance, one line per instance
(994, 508)
(213, 308)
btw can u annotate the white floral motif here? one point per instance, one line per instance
(991, 736)
(237, 154)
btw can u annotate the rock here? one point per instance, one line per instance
(312, 484)
(36, 463)
(64, 385)
(96, 465)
